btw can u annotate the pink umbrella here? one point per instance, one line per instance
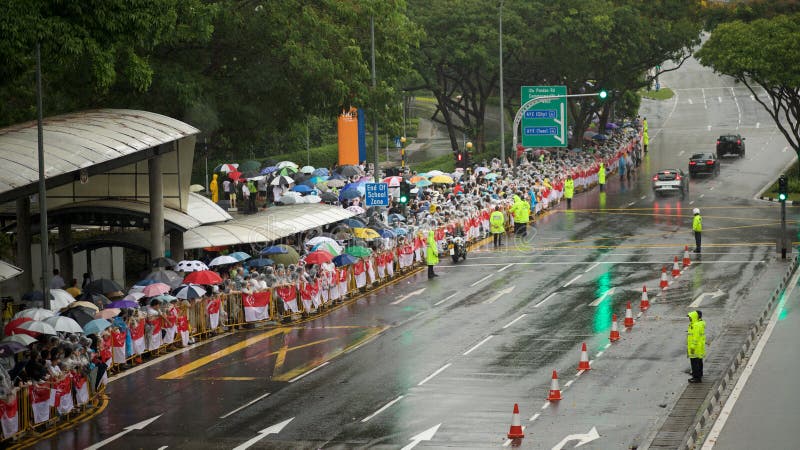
(107, 313)
(154, 289)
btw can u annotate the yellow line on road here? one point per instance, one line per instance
(226, 378)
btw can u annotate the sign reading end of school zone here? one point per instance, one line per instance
(277, 346)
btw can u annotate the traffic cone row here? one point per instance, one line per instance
(664, 283)
(628, 316)
(675, 269)
(645, 303)
(516, 428)
(614, 330)
(686, 261)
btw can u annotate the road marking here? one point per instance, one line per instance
(481, 280)
(592, 267)
(631, 203)
(752, 97)
(572, 281)
(758, 124)
(709, 128)
(506, 267)
(309, 372)
(569, 383)
(699, 299)
(478, 345)
(738, 109)
(508, 441)
(681, 153)
(785, 149)
(719, 99)
(426, 435)
(642, 197)
(713, 435)
(705, 104)
(605, 295)
(599, 354)
(535, 416)
(274, 429)
(163, 447)
(445, 299)
(513, 321)
(691, 102)
(244, 406)
(499, 294)
(545, 406)
(441, 369)
(407, 296)
(702, 195)
(137, 426)
(546, 299)
(691, 202)
(382, 409)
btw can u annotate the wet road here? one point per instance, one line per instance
(458, 352)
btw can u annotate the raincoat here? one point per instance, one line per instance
(497, 222)
(697, 223)
(214, 188)
(645, 139)
(432, 252)
(601, 174)
(569, 188)
(521, 210)
(696, 336)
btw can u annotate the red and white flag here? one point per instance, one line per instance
(213, 313)
(118, 348)
(343, 275)
(81, 388)
(137, 336)
(63, 390)
(40, 402)
(155, 333)
(289, 296)
(183, 329)
(359, 270)
(256, 306)
(8, 416)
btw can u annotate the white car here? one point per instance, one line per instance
(670, 181)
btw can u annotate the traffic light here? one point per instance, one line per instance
(602, 94)
(405, 192)
(459, 159)
(783, 188)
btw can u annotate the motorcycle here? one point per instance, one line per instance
(457, 246)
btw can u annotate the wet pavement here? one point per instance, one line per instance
(460, 350)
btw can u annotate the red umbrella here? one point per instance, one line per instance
(202, 277)
(234, 175)
(11, 327)
(318, 257)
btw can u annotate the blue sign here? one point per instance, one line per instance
(541, 114)
(540, 131)
(377, 194)
(397, 143)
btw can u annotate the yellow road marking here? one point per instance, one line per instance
(281, 355)
(227, 378)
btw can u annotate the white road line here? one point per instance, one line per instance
(481, 280)
(705, 104)
(785, 149)
(719, 99)
(631, 203)
(445, 299)
(243, 406)
(569, 383)
(163, 447)
(702, 195)
(691, 102)
(508, 441)
(545, 406)
(599, 354)
(738, 108)
(709, 128)
(546, 299)
(383, 408)
(713, 435)
(643, 197)
(506, 267)
(752, 97)
(441, 369)
(691, 202)
(572, 281)
(310, 371)
(535, 416)
(592, 267)
(681, 152)
(513, 321)
(608, 344)
(758, 124)
(478, 345)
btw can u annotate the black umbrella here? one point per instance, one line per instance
(163, 262)
(80, 314)
(349, 170)
(35, 296)
(101, 299)
(329, 197)
(299, 177)
(103, 286)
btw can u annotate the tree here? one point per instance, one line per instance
(763, 53)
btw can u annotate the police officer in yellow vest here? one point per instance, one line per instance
(497, 226)
(601, 176)
(522, 211)
(645, 141)
(569, 190)
(431, 254)
(697, 227)
(696, 344)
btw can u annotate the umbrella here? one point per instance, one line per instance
(162, 262)
(355, 209)
(328, 197)
(393, 181)
(189, 291)
(308, 169)
(60, 298)
(386, 234)
(318, 257)
(268, 170)
(96, 326)
(197, 188)
(107, 313)
(221, 261)
(102, 299)
(190, 266)
(260, 262)
(344, 260)
(146, 282)
(132, 297)
(11, 348)
(282, 180)
(441, 179)
(203, 277)
(82, 315)
(284, 164)
(352, 222)
(423, 183)
(482, 170)
(234, 175)
(122, 304)
(290, 257)
(35, 326)
(249, 166)
(316, 240)
(312, 199)
(84, 304)
(600, 137)
(240, 256)
(64, 324)
(155, 289)
(11, 326)
(165, 298)
(321, 172)
(335, 183)
(103, 286)
(365, 233)
(35, 296)
(274, 250)
(416, 178)
(35, 313)
(23, 339)
(359, 251)
(349, 194)
(400, 231)
(611, 126)
(349, 170)
(168, 277)
(302, 188)
(226, 168)
(491, 176)
(288, 171)
(395, 216)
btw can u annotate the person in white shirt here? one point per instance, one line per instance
(57, 282)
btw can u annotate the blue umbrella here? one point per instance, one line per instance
(344, 260)
(302, 188)
(268, 170)
(320, 172)
(354, 223)
(611, 126)
(308, 183)
(96, 326)
(274, 250)
(147, 282)
(349, 194)
(388, 234)
(337, 176)
(122, 304)
(260, 262)
(395, 216)
(400, 231)
(599, 137)
(239, 256)
(490, 176)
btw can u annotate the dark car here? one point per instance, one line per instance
(670, 181)
(703, 163)
(730, 144)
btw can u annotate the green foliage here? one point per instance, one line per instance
(661, 94)
(721, 12)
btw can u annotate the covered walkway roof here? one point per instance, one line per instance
(274, 224)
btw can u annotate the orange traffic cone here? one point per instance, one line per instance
(516, 429)
(628, 316)
(664, 283)
(555, 391)
(686, 261)
(645, 303)
(584, 362)
(614, 330)
(675, 269)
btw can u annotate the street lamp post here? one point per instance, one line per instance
(468, 146)
(502, 101)
(403, 152)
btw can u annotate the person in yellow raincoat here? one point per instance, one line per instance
(214, 188)
(431, 254)
(696, 344)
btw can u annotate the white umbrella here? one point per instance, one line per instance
(222, 260)
(312, 199)
(134, 296)
(283, 164)
(65, 324)
(356, 209)
(189, 291)
(38, 326)
(282, 179)
(197, 188)
(190, 266)
(307, 169)
(434, 173)
(35, 313)
(60, 299)
(23, 339)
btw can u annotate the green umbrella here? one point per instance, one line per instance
(358, 251)
(290, 257)
(288, 171)
(250, 165)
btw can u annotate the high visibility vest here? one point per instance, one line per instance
(569, 188)
(697, 223)
(696, 337)
(432, 252)
(601, 174)
(497, 222)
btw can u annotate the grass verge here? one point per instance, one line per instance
(661, 94)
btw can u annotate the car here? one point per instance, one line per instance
(730, 144)
(703, 163)
(670, 181)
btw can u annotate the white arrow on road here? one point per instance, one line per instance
(499, 294)
(407, 296)
(581, 438)
(275, 429)
(426, 435)
(697, 301)
(602, 297)
(128, 429)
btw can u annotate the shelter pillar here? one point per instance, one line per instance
(65, 255)
(156, 185)
(176, 244)
(24, 244)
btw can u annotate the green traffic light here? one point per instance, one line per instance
(403, 199)
(603, 94)
(781, 196)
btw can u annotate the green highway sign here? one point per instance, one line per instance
(545, 123)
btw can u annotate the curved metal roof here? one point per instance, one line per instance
(274, 224)
(81, 140)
